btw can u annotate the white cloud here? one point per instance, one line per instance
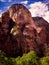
(24, 2)
(46, 17)
(46, 1)
(3, 0)
(39, 9)
(1, 13)
(9, 0)
(6, 7)
(6, 0)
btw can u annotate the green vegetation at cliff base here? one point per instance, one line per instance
(30, 58)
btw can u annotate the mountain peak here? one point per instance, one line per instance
(20, 33)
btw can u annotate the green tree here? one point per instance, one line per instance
(44, 60)
(5, 60)
(28, 59)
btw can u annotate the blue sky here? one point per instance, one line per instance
(36, 7)
(4, 4)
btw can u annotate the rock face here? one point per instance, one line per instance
(44, 34)
(20, 33)
(0, 19)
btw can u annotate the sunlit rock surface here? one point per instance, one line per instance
(20, 33)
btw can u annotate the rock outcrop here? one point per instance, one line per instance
(44, 34)
(20, 33)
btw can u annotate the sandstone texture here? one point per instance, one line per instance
(20, 33)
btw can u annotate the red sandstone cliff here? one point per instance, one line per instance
(20, 33)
